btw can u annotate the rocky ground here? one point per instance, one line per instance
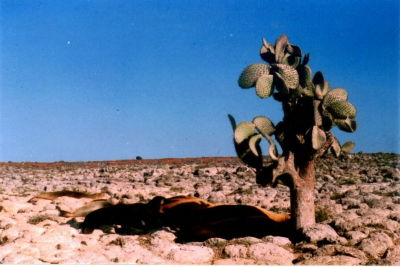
(358, 212)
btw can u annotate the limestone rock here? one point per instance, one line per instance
(355, 237)
(191, 255)
(321, 233)
(376, 244)
(393, 256)
(331, 260)
(234, 261)
(236, 251)
(270, 254)
(278, 240)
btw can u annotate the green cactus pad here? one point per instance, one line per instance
(335, 147)
(347, 125)
(267, 52)
(288, 74)
(342, 110)
(264, 86)
(294, 50)
(318, 78)
(348, 147)
(334, 95)
(232, 121)
(254, 144)
(251, 73)
(280, 46)
(318, 138)
(280, 84)
(291, 60)
(264, 125)
(306, 59)
(268, 45)
(247, 156)
(321, 90)
(305, 75)
(305, 91)
(244, 131)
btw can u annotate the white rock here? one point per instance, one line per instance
(10, 234)
(187, 254)
(162, 234)
(236, 251)
(247, 240)
(270, 254)
(92, 256)
(331, 260)
(217, 197)
(278, 240)
(234, 261)
(13, 206)
(162, 243)
(376, 244)
(393, 256)
(320, 232)
(355, 237)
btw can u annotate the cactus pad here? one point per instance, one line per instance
(334, 95)
(264, 86)
(288, 74)
(264, 125)
(267, 52)
(243, 131)
(335, 147)
(318, 138)
(254, 144)
(321, 90)
(247, 156)
(342, 110)
(291, 60)
(280, 46)
(251, 73)
(347, 125)
(305, 75)
(318, 78)
(294, 50)
(348, 147)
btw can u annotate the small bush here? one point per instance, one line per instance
(322, 215)
(40, 218)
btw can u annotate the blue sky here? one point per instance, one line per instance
(99, 80)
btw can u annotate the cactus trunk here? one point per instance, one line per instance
(299, 175)
(302, 200)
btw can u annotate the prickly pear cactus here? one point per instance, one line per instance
(311, 108)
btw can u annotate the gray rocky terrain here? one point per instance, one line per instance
(358, 212)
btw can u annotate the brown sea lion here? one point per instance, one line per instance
(87, 208)
(231, 221)
(197, 220)
(140, 216)
(193, 219)
(68, 193)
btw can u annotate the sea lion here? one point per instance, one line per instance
(197, 220)
(68, 193)
(87, 208)
(231, 221)
(139, 216)
(193, 219)
(175, 211)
